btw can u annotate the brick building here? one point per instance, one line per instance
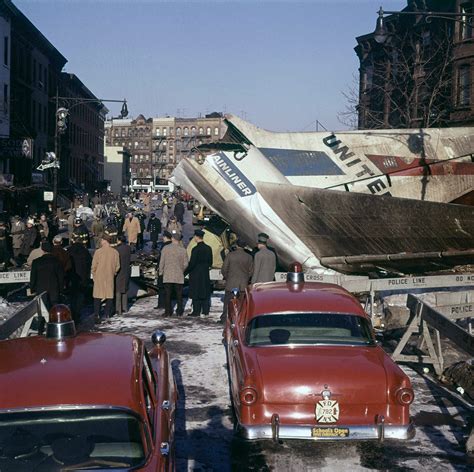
(82, 145)
(156, 145)
(421, 75)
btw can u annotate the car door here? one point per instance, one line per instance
(235, 353)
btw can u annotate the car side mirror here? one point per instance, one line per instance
(158, 338)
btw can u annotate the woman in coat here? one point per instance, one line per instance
(29, 238)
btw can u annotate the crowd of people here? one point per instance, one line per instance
(62, 262)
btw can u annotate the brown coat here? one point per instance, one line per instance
(173, 263)
(105, 264)
(132, 228)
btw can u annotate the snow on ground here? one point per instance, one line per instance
(204, 422)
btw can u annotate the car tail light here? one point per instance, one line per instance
(405, 396)
(248, 396)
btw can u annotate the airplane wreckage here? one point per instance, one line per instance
(360, 202)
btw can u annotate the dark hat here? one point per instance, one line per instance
(78, 220)
(167, 234)
(152, 215)
(263, 238)
(240, 243)
(46, 246)
(199, 233)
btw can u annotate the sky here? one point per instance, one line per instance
(283, 65)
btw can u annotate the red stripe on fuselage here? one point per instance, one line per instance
(396, 166)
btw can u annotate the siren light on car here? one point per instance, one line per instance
(295, 273)
(60, 323)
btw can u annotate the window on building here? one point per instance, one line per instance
(464, 85)
(178, 131)
(216, 131)
(193, 131)
(186, 131)
(165, 131)
(6, 41)
(135, 144)
(147, 157)
(466, 21)
(157, 131)
(201, 131)
(208, 131)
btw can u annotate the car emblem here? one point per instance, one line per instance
(327, 410)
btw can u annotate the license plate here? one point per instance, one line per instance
(331, 432)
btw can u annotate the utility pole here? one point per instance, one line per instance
(56, 153)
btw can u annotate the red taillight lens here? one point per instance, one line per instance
(405, 396)
(248, 396)
(295, 267)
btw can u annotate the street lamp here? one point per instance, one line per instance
(60, 127)
(381, 34)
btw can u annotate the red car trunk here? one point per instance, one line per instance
(293, 379)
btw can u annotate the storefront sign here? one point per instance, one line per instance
(21, 147)
(48, 196)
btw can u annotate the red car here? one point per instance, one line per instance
(304, 364)
(85, 402)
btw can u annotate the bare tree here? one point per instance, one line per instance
(405, 83)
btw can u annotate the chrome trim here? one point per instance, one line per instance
(296, 278)
(158, 338)
(165, 448)
(356, 432)
(275, 427)
(381, 427)
(60, 331)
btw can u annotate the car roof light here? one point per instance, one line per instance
(60, 324)
(295, 273)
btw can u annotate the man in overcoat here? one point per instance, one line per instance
(29, 238)
(17, 234)
(105, 264)
(264, 264)
(199, 280)
(179, 212)
(154, 228)
(131, 228)
(47, 275)
(173, 263)
(80, 274)
(97, 230)
(122, 279)
(236, 270)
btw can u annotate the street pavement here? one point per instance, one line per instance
(204, 419)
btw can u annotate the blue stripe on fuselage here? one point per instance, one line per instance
(292, 162)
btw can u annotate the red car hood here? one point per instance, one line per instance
(354, 375)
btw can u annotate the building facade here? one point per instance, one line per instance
(81, 146)
(421, 74)
(156, 145)
(117, 169)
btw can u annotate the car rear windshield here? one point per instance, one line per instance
(71, 440)
(308, 328)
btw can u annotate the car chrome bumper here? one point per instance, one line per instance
(304, 432)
